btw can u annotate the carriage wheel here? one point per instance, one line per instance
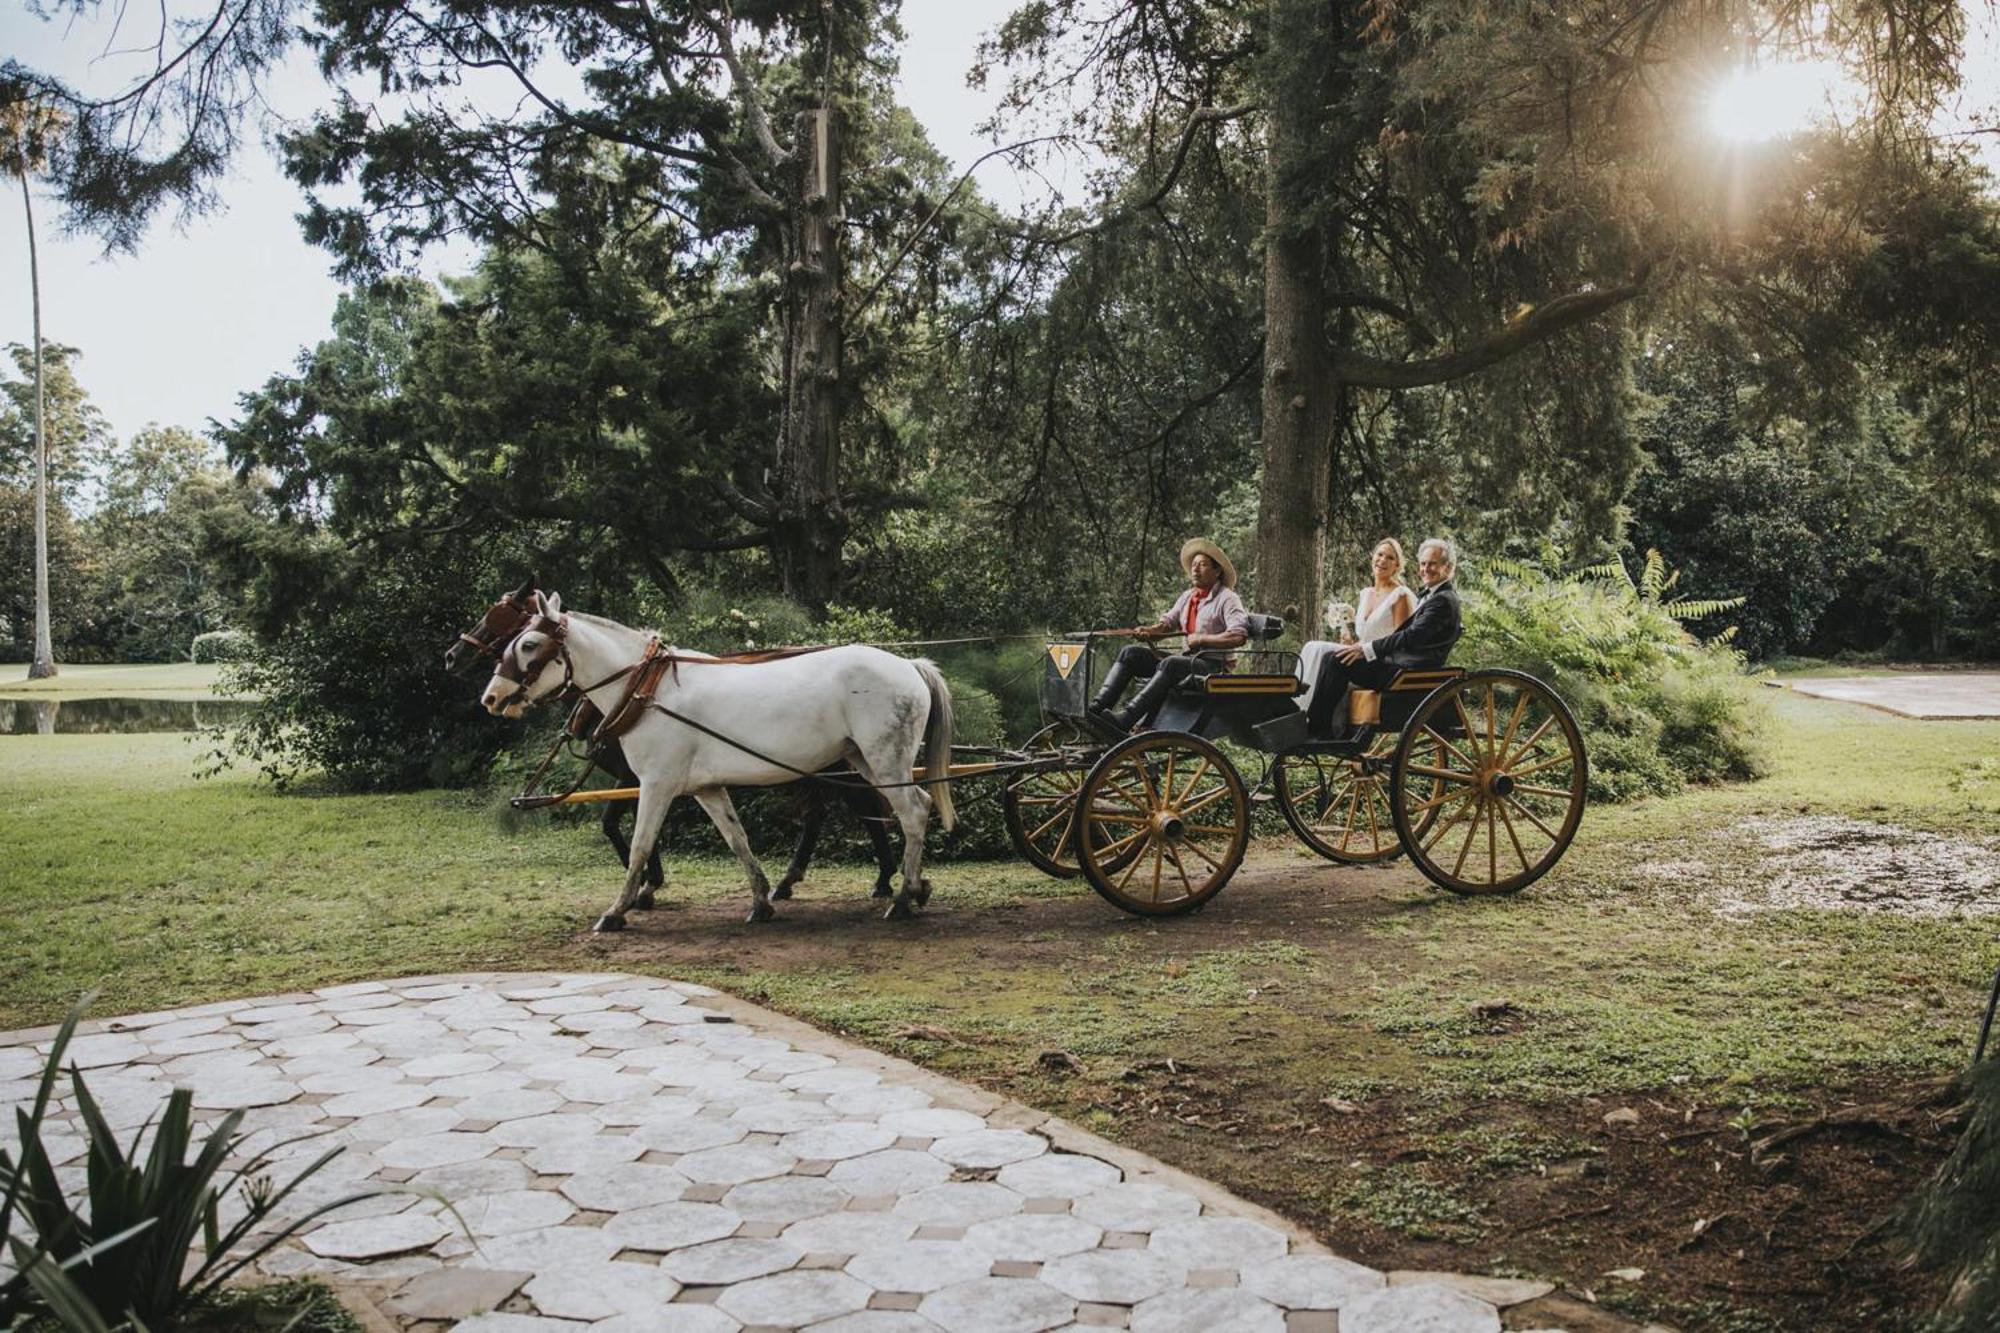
(1040, 808)
(1339, 804)
(1488, 782)
(1168, 819)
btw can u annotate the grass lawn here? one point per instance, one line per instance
(1421, 1078)
(155, 680)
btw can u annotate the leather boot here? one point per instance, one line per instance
(1115, 681)
(1146, 702)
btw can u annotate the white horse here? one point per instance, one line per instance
(873, 710)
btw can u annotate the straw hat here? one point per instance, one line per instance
(1203, 546)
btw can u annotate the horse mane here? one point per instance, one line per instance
(605, 622)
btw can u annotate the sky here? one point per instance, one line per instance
(207, 311)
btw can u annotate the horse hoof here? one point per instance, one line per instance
(883, 891)
(923, 894)
(644, 902)
(761, 912)
(609, 922)
(899, 911)
(782, 891)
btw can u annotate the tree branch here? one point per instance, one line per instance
(1118, 217)
(746, 87)
(1381, 305)
(1524, 330)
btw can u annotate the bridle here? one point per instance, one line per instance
(515, 615)
(554, 647)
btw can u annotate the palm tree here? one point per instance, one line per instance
(26, 127)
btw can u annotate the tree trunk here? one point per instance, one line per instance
(44, 663)
(1299, 385)
(810, 526)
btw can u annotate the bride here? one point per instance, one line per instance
(1384, 604)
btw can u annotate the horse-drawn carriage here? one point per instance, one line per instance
(1477, 775)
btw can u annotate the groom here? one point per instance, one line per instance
(1425, 640)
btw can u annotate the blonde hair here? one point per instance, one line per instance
(1401, 560)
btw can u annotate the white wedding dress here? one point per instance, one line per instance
(1379, 619)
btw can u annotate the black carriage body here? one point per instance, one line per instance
(1067, 676)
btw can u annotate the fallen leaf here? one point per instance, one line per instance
(1624, 1115)
(1339, 1105)
(1626, 1274)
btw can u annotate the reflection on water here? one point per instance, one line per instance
(31, 717)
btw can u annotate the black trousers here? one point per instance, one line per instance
(1334, 678)
(1161, 671)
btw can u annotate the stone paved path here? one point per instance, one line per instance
(1934, 696)
(627, 1155)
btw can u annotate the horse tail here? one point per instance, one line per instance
(937, 742)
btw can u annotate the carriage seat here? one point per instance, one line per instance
(1262, 669)
(1363, 706)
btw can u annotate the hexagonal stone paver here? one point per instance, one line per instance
(891, 1171)
(794, 1299)
(375, 1100)
(1059, 1175)
(1034, 1237)
(510, 1103)
(374, 1237)
(782, 1114)
(600, 1290)
(513, 1210)
(878, 1321)
(1211, 1310)
(921, 1265)
(600, 1088)
(679, 1318)
(785, 1199)
(1138, 1206)
(1218, 1242)
(848, 1233)
(583, 1154)
(538, 1131)
(737, 1259)
(862, 1103)
(450, 1064)
(435, 1150)
(1309, 1281)
(672, 1226)
(837, 1141)
(503, 1322)
(926, 1122)
(1420, 1308)
(614, 1189)
(986, 1149)
(1114, 1277)
(735, 1164)
(832, 1080)
(998, 1305)
(460, 1180)
(546, 1249)
(959, 1203)
(687, 1134)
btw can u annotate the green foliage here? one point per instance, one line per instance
(221, 645)
(144, 1245)
(1658, 708)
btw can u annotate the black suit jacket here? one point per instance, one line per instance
(1426, 638)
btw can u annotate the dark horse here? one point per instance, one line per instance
(814, 799)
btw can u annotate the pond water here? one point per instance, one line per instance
(29, 717)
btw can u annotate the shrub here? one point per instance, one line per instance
(1658, 707)
(145, 1244)
(221, 645)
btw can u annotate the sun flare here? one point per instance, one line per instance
(1773, 100)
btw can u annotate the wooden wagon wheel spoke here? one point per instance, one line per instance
(1374, 828)
(1512, 836)
(1529, 744)
(1513, 722)
(1353, 804)
(1059, 817)
(1111, 849)
(1447, 774)
(1442, 740)
(1195, 847)
(1471, 727)
(1559, 793)
(1111, 817)
(1211, 798)
(1551, 762)
(1444, 826)
(1471, 832)
(1529, 815)
(1180, 868)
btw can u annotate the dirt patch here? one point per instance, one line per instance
(1289, 1042)
(1834, 863)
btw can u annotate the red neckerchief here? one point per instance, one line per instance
(1198, 595)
